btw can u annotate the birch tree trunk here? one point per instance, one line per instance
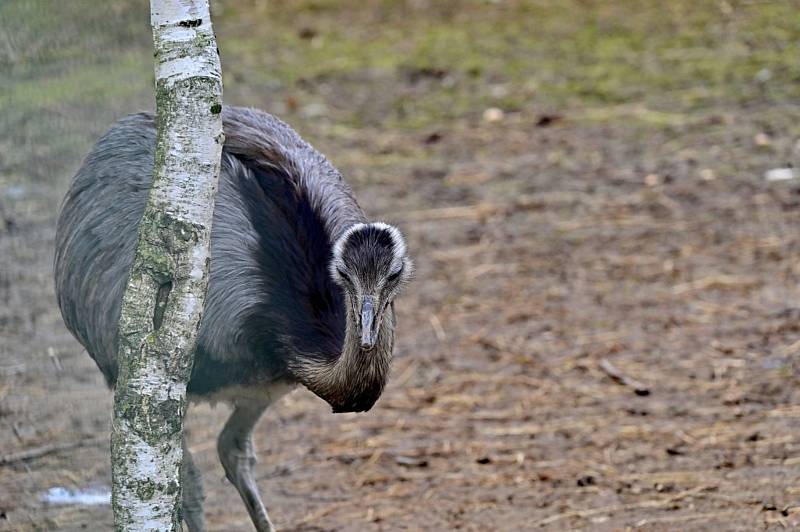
(165, 294)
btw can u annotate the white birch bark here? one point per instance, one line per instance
(164, 296)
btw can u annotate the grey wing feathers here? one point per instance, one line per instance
(97, 227)
(261, 140)
(96, 235)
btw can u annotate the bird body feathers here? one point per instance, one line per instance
(271, 300)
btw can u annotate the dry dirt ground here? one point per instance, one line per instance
(604, 329)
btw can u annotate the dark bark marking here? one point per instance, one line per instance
(161, 304)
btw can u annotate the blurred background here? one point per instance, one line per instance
(603, 202)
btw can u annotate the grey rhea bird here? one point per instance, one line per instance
(301, 286)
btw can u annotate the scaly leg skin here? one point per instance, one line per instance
(235, 448)
(192, 485)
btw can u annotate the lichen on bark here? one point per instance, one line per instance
(163, 300)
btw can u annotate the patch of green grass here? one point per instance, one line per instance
(87, 85)
(680, 55)
(50, 122)
(67, 69)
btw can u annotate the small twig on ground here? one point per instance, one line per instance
(38, 452)
(322, 512)
(624, 507)
(501, 347)
(620, 378)
(437, 328)
(662, 520)
(478, 210)
(718, 282)
(470, 212)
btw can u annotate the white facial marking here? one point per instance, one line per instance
(398, 248)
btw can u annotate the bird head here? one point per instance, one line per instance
(371, 264)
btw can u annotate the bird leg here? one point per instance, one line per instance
(192, 486)
(235, 448)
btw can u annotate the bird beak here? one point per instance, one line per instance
(368, 329)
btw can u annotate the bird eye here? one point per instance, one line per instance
(394, 276)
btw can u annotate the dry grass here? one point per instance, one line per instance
(603, 334)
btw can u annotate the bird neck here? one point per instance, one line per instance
(353, 380)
